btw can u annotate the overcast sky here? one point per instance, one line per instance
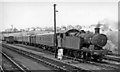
(34, 13)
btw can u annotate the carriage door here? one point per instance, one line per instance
(30, 38)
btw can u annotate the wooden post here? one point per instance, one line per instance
(55, 36)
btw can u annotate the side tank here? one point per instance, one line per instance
(69, 40)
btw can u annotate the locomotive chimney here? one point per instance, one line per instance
(97, 30)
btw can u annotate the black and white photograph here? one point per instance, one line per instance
(59, 36)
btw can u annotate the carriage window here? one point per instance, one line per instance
(40, 38)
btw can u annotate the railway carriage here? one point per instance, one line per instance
(4, 38)
(32, 40)
(26, 39)
(45, 41)
(9, 39)
(1, 37)
(19, 39)
(15, 39)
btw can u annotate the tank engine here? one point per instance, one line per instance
(83, 44)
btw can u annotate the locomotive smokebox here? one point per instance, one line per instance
(97, 30)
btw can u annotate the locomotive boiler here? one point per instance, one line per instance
(96, 39)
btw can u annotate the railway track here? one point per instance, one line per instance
(105, 63)
(1, 69)
(107, 57)
(60, 66)
(32, 64)
(10, 65)
(112, 54)
(112, 58)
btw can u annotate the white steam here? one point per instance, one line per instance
(110, 28)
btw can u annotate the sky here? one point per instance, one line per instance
(39, 13)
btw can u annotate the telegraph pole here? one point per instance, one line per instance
(55, 36)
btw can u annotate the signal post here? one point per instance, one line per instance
(55, 36)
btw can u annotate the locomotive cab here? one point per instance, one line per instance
(71, 32)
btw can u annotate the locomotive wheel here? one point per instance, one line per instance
(100, 60)
(81, 54)
(53, 49)
(97, 58)
(48, 48)
(71, 53)
(76, 54)
(88, 56)
(84, 55)
(44, 47)
(66, 52)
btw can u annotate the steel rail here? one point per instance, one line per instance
(2, 70)
(81, 60)
(16, 64)
(31, 55)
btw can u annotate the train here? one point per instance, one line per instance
(8, 39)
(75, 43)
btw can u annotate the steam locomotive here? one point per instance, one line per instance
(86, 45)
(79, 44)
